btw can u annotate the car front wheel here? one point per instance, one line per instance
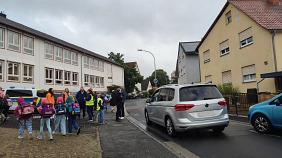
(148, 121)
(262, 124)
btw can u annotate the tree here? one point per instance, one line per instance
(131, 76)
(162, 78)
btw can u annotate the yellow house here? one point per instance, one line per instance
(243, 46)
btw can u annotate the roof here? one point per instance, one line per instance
(265, 14)
(271, 75)
(189, 47)
(50, 38)
(145, 84)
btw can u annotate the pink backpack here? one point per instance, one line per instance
(25, 109)
(47, 110)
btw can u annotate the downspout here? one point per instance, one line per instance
(274, 50)
(81, 70)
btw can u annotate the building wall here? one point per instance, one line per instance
(39, 62)
(256, 53)
(278, 46)
(182, 67)
(192, 68)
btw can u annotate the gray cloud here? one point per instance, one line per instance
(121, 25)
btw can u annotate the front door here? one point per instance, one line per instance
(277, 114)
(152, 105)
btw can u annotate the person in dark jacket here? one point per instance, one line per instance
(122, 92)
(112, 101)
(118, 98)
(80, 98)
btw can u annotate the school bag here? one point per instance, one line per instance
(47, 110)
(106, 100)
(60, 108)
(74, 109)
(10, 102)
(25, 109)
(3, 104)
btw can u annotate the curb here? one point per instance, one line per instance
(99, 143)
(235, 115)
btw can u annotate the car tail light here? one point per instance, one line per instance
(222, 103)
(183, 107)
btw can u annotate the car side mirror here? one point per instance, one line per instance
(148, 101)
(277, 102)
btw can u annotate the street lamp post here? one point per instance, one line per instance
(154, 63)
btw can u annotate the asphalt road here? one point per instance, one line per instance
(238, 140)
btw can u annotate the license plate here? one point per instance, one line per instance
(207, 114)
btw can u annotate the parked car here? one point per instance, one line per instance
(266, 115)
(183, 107)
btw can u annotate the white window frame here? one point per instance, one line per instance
(58, 54)
(92, 80)
(97, 80)
(86, 61)
(206, 56)
(67, 78)
(224, 51)
(27, 78)
(74, 78)
(96, 64)
(2, 41)
(48, 77)
(101, 66)
(49, 54)
(86, 80)
(249, 72)
(249, 78)
(67, 56)
(74, 58)
(91, 62)
(246, 41)
(30, 45)
(13, 71)
(2, 66)
(14, 43)
(58, 77)
(101, 82)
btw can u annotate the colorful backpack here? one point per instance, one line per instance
(47, 110)
(10, 102)
(106, 100)
(60, 108)
(25, 109)
(74, 109)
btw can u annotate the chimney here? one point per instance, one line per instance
(2, 14)
(273, 1)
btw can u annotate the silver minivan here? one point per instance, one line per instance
(183, 107)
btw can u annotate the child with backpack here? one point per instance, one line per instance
(24, 112)
(46, 110)
(100, 108)
(3, 106)
(73, 110)
(60, 116)
(106, 102)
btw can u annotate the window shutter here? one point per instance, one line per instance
(245, 34)
(208, 78)
(226, 77)
(206, 55)
(224, 45)
(249, 70)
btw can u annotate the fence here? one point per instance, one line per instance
(239, 103)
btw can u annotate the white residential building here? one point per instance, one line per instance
(29, 58)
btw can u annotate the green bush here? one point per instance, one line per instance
(145, 94)
(151, 91)
(228, 89)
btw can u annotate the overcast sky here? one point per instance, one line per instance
(121, 26)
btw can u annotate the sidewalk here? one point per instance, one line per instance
(124, 140)
(86, 144)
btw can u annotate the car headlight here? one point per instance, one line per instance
(251, 107)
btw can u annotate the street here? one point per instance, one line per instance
(238, 140)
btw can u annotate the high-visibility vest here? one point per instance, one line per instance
(99, 100)
(90, 102)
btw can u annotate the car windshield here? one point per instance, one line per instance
(18, 93)
(196, 93)
(41, 93)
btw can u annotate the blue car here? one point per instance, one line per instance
(266, 115)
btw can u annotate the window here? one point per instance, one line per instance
(196, 93)
(86, 61)
(86, 80)
(1, 70)
(58, 77)
(206, 56)
(74, 58)
(97, 81)
(28, 45)
(13, 71)
(110, 74)
(58, 53)
(67, 78)
(249, 73)
(14, 41)
(48, 51)
(228, 17)
(170, 94)
(96, 64)
(28, 72)
(2, 38)
(224, 47)
(75, 79)
(67, 56)
(226, 77)
(92, 80)
(101, 65)
(155, 96)
(49, 75)
(101, 81)
(91, 61)
(162, 95)
(208, 79)
(246, 37)
(19, 93)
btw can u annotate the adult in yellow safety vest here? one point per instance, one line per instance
(89, 104)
